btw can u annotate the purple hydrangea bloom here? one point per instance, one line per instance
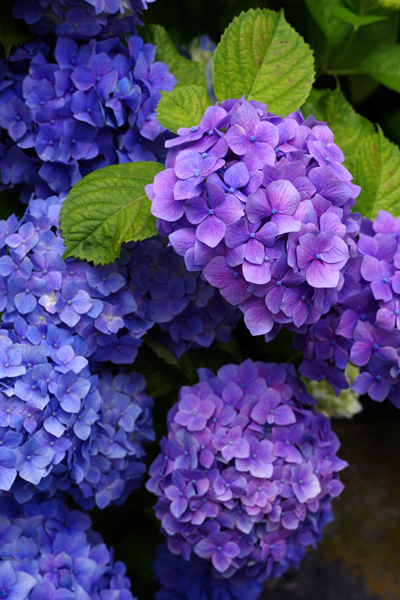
(361, 326)
(247, 473)
(278, 197)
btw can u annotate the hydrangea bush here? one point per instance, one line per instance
(152, 220)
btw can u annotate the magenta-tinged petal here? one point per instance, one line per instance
(320, 277)
(360, 353)
(285, 224)
(211, 231)
(283, 196)
(237, 176)
(370, 268)
(196, 210)
(267, 133)
(284, 415)
(230, 210)
(165, 207)
(260, 274)
(257, 206)
(258, 320)
(217, 272)
(221, 562)
(254, 252)
(237, 140)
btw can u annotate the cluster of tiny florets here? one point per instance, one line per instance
(248, 471)
(363, 328)
(61, 320)
(262, 205)
(77, 99)
(196, 579)
(48, 551)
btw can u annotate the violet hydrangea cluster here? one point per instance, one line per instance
(72, 102)
(363, 328)
(262, 205)
(196, 579)
(248, 471)
(48, 551)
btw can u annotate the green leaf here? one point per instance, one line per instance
(384, 66)
(12, 31)
(187, 72)
(378, 174)
(262, 56)
(356, 20)
(349, 128)
(183, 107)
(333, 27)
(105, 209)
(163, 353)
(350, 57)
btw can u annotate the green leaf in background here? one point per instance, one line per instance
(378, 174)
(349, 57)
(349, 128)
(12, 31)
(187, 72)
(163, 353)
(105, 209)
(384, 66)
(356, 20)
(262, 56)
(334, 28)
(183, 107)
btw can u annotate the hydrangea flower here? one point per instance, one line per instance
(362, 327)
(248, 470)
(88, 103)
(198, 580)
(262, 205)
(49, 551)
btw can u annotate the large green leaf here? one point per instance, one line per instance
(378, 174)
(12, 31)
(350, 129)
(187, 72)
(262, 56)
(105, 209)
(183, 107)
(384, 66)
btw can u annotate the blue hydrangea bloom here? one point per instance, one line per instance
(49, 551)
(247, 473)
(79, 99)
(198, 580)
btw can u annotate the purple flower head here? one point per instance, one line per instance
(240, 481)
(278, 197)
